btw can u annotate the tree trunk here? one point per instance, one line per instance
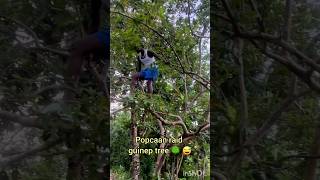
(312, 163)
(243, 121)
(15, 174)
(74, 162)
(135, 166)
(74, 168)
(161, 157)
(243, 93)
(4, 175)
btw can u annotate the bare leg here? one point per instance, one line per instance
(150, 87)
(82, 47)
(135, 78)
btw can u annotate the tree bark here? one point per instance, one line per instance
(161, 157)
(243, 122)
(243, 93)
(312, 163)
(74, 167)
(135, 165)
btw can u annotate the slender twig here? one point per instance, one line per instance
(189, 23)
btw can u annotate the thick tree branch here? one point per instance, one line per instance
(312, 163)
(299, 156)
(24, 121)
(203, 81)
(52, 87)
(264, 129)
(119, 110)
(194, 99)
(218, 175)
(161, 157)
(243, 122)
(274, 40)
(273, 119)
(287, 18)
(35, 37)
(195, 76)
(33, 121)
(16, 158)
(260, 22)
(60, 52)
(187, 134)
(283, 44)
(301, 72)
(233, 21)
(202, 128)
(174, 123)
(238, 43)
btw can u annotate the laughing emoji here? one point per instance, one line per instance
(186, 150)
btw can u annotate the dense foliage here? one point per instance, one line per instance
(42, 137)
(266, 104)
(40, 133)
(177, 31)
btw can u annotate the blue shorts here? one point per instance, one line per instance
(103, 37)
(149, 74)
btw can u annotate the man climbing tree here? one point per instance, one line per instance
(148, 71)
(94, 47)
(95, 44)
